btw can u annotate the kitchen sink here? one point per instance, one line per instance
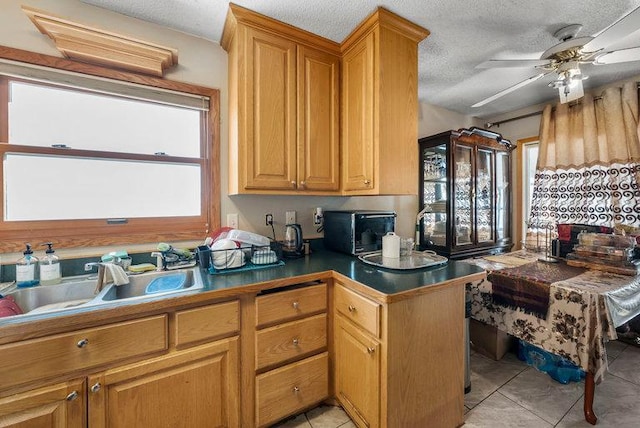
(45, 298)
(154, 284)
(80, 292)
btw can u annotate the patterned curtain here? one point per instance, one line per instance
(588, 169)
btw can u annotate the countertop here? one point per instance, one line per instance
(381, 284)
(381, 280)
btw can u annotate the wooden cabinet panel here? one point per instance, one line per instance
(270, 144)
(282, 392)
(357, 373)
(360, 310)
(57, 406)
(358, 149)
(206, 323)
(318, 120)
(291, 340)
(47, 357)
(197, 387)
(288, 305)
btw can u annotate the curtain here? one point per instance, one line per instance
(588, 169)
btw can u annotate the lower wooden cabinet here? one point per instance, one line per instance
(283, 391)
(357, 373)
(56, 406)
(197, 387)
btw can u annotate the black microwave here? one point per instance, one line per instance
(357, 232)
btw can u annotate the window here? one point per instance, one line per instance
(96, 160)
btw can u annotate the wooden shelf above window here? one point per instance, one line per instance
(83, 43)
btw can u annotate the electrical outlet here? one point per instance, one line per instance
(268, 219)
(232, 220)
(290, 217)
(317, 216)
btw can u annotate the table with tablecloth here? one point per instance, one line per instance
(582, 314)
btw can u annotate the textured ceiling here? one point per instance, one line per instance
(463, 34)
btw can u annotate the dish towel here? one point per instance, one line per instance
(115, 273)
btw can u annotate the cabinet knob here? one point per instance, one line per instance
(371, 350)
(296, 389)
(82, 343)
(352, 308)
(303, 184)
(72, 396)
(294, 184)
(96, 387)
(295, 305)
(296, 342)
(367, 182)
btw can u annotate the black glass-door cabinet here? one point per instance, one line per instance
(464, 193)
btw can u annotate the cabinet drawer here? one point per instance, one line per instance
(52, 356)
(285, 391)
(208, 322)
(287, 341)
(359, 309)
(291, 304)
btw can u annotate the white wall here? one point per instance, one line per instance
(204, 63)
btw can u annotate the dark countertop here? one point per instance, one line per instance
(382, 280)
(380, 283)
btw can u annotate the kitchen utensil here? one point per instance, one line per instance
(292, 246)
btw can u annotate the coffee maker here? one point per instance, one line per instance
(292, 246)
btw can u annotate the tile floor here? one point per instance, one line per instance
(508, 393)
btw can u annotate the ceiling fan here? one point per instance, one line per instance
(566, 57)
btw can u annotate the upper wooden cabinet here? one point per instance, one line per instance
(380, 106)
(295, 129)
(283, 107)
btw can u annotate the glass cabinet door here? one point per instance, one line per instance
(435, 191)
(484, 196)
(502, 195)
(463, 196)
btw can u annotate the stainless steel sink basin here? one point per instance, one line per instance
(80, 292)
(188, 280)
(46, 298)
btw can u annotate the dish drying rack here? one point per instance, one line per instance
(245, 258)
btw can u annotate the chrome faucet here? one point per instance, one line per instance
(102, 273)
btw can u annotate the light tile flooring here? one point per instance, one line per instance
(508, 393)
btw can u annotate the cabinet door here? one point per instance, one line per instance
(463, 199)
(502, 197)
(357, 373)
(270, 143)
(485, 203)
(318, 120)
(358, 116)
(56, 406)
(197, 387)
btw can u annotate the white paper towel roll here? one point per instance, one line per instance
(391, 245)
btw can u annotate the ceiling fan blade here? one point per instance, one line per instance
(510, 89)
(621, 55)
(619, 30)
(506, 63)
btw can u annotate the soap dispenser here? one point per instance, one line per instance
(27, 269)
(50, 267)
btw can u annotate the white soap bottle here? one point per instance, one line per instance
(50, 273)
(27, 269)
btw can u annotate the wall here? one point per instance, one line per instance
(205, 63)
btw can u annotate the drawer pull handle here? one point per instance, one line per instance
(371, 350)
(296, 389)
(82, 343)
(72, 396)
(295, 305)
(96, 387)
(295, 342)
(352, 308)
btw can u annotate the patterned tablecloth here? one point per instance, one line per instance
(584, 311)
